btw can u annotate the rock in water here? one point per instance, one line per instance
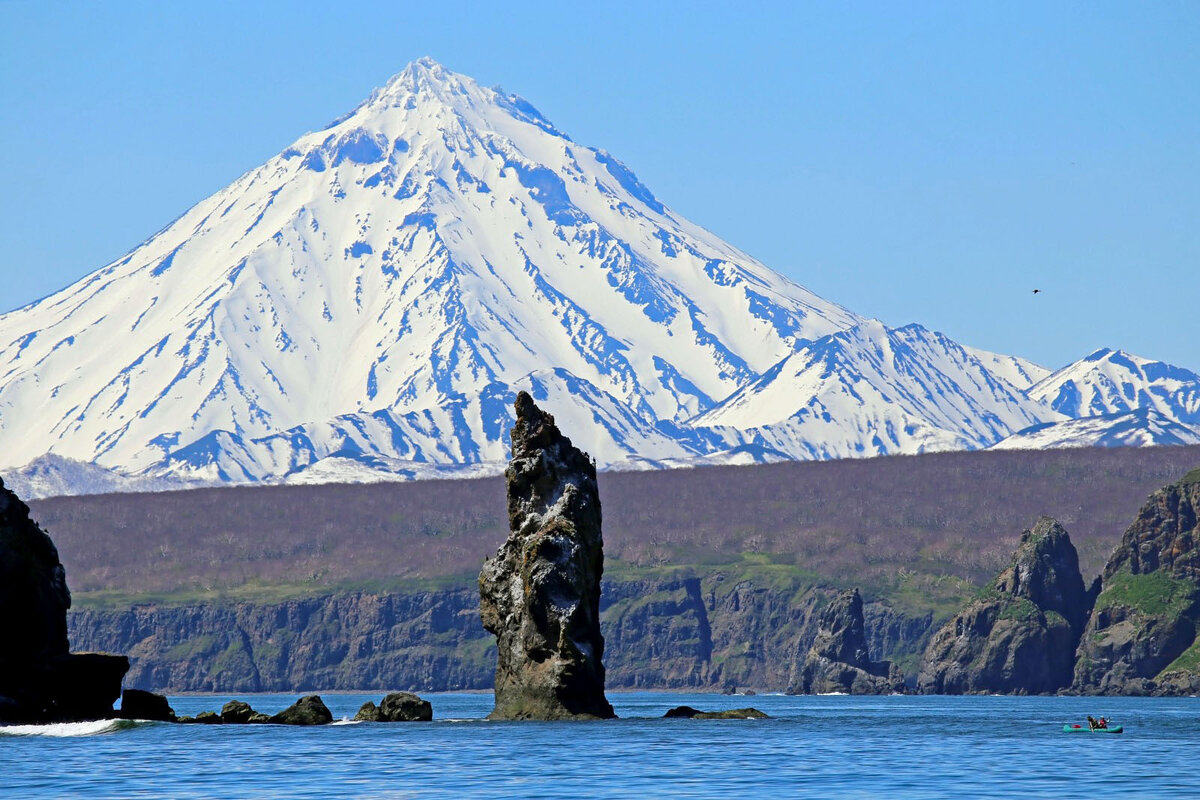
(1142, 636)
(40, 680)
(138, 704)
(687, 712)
(1019, 636)
(540, 595)
(838, 659)
(396, 707)
(310, 710)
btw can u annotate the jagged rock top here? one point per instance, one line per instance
(1166, 534)
(544, 463)
(1045, 571)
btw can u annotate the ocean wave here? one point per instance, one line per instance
(66, 729)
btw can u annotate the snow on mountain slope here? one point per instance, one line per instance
(1020, 372)
(871, 390)
(384, 284)
(1141, 428)
(1109, 381)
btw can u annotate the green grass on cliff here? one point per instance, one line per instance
(1153, 594)
(1191, 477)
(1188, 661)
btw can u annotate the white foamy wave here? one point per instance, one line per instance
(61, 729)
(345, 721)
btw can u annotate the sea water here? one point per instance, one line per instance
(821, 747)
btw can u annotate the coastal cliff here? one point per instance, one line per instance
(1019, 636)
(711, 632)
(1142, 637)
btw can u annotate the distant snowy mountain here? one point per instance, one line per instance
(365, 304)
(1109, 381)
(871, 390)
(1141, 428)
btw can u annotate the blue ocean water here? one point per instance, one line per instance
(821, 747)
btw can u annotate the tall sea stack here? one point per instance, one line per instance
(540, 595)
(40, 680)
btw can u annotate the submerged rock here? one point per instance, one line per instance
(1142, 636)
(1019, 636)
(838, 660)
(687, 712)
(138, 704)
(40, 680)
(309, 710)
(203, 718)
(540, 594)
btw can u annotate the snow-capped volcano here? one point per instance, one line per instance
(410, 264)
(366, 303)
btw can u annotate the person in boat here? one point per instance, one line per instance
(1093, 723)
(1102, 723)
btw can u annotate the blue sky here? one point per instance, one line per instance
(928, 162)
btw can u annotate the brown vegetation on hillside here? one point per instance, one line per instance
(869, 522)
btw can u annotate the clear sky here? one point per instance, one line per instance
(916, 162)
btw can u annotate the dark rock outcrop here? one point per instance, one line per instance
(396, 707)
(687, 712)
(1019, 636)
(308, 710)
(203, 718)
(540, 594)
(40, 680)
(138, 704)
(237, 712)
(1142, 636)
(838, 659)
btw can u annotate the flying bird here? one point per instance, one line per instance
(1035, 291)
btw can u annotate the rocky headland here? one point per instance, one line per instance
(1142, 637)
(540, 594)
(40, 679)
(1019, 635)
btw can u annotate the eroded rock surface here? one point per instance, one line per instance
(40, 680)
(540, 594)
(1019, 636)
(838, 660)
(1142, 636)
(396, 707)
(309, 710)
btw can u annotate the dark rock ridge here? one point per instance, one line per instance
(540, 594)
(1019, 636)
(40, 680)
(1142, 635)
(396, 707)
(308, 710)
(838, 659)
(687, 712)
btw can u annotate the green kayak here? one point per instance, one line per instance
(1086, 729)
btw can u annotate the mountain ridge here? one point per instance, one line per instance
(367, 301)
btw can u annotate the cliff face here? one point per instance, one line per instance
(838, 660)
(1142, 636)
(40, 680)
(1019, 637)
(712, 632)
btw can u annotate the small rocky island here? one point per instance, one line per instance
(41, 681)
(540, 594)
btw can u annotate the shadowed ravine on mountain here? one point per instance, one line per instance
(373, 587)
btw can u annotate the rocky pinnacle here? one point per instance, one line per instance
(540, 595)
